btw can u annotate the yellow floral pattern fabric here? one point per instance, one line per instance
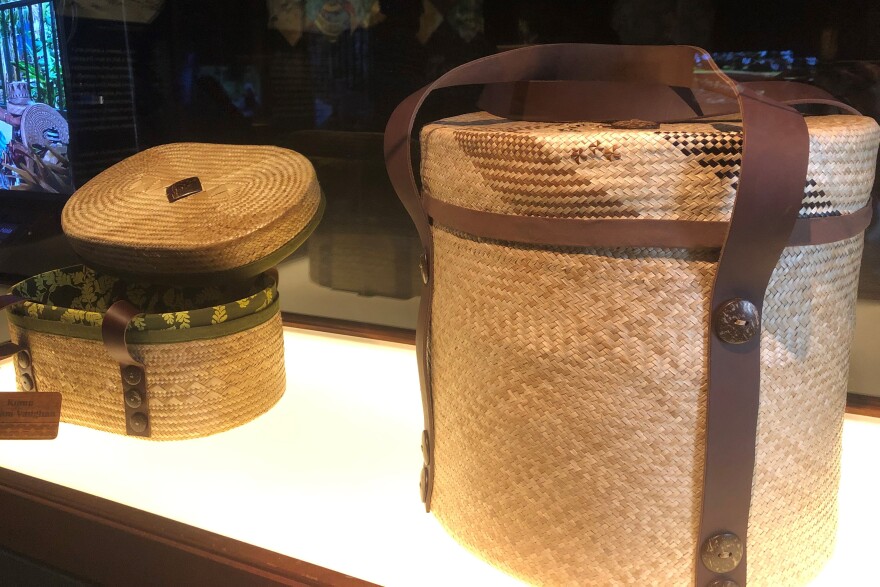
(79, 295)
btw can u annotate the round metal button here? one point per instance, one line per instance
(423, 267)
(426, 447)
(133, 399)
(24, 359)
(723, 582)
(737, 321)
(722, 553)
(27, 383)
(132, 375)
(138, 422)
(423, 484)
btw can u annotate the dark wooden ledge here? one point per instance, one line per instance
(103, 542)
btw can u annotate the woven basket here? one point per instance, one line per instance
(576, 437)
(214, 356)
(172, 330)
(569, 393)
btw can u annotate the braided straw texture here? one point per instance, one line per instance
(255, 199)
(196, 388)
(570, 384)
(36, 120)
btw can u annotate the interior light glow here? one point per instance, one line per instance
(330, 475)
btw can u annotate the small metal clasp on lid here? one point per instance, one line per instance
(183, 188)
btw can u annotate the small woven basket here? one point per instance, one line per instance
(172, 330)
(214, 356)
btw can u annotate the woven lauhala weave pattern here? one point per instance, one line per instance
(255, 199)
(196, 388)
(569, 384)
(588, 170)
(569, 397)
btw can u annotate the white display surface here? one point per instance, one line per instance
(330, 475)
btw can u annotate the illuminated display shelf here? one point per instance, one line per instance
(330, 474)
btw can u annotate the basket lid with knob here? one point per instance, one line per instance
(191, 212)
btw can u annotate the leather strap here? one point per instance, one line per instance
(770, 191)
(771, 188)
(7, 300)
(563, 100)
(627, 232)
(135, 400)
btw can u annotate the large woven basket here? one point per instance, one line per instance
(567, 386)
(172, 329)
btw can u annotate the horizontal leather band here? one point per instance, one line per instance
(628, 232)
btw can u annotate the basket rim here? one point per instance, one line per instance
(93, 332)
(185, 313)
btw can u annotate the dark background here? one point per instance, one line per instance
(329, 93)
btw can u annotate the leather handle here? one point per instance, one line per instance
(563, 100)
(133, 376)
(113, 329)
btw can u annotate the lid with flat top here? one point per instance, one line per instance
(186, 212)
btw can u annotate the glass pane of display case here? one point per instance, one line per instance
(319, 484)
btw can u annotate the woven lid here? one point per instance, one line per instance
(189, 211)
(631, 169)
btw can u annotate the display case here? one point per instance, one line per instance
(311, 435)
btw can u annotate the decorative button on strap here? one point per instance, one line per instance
(138, 422)
(131, 375)
(423, 484)
(722, 553)
(24, 360)
(133, 399)
(426, 447)
(737, 321)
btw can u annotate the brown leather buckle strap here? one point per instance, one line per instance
(135, 400)
(771, 188)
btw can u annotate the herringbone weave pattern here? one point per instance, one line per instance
(196, 388)
(569, 384)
